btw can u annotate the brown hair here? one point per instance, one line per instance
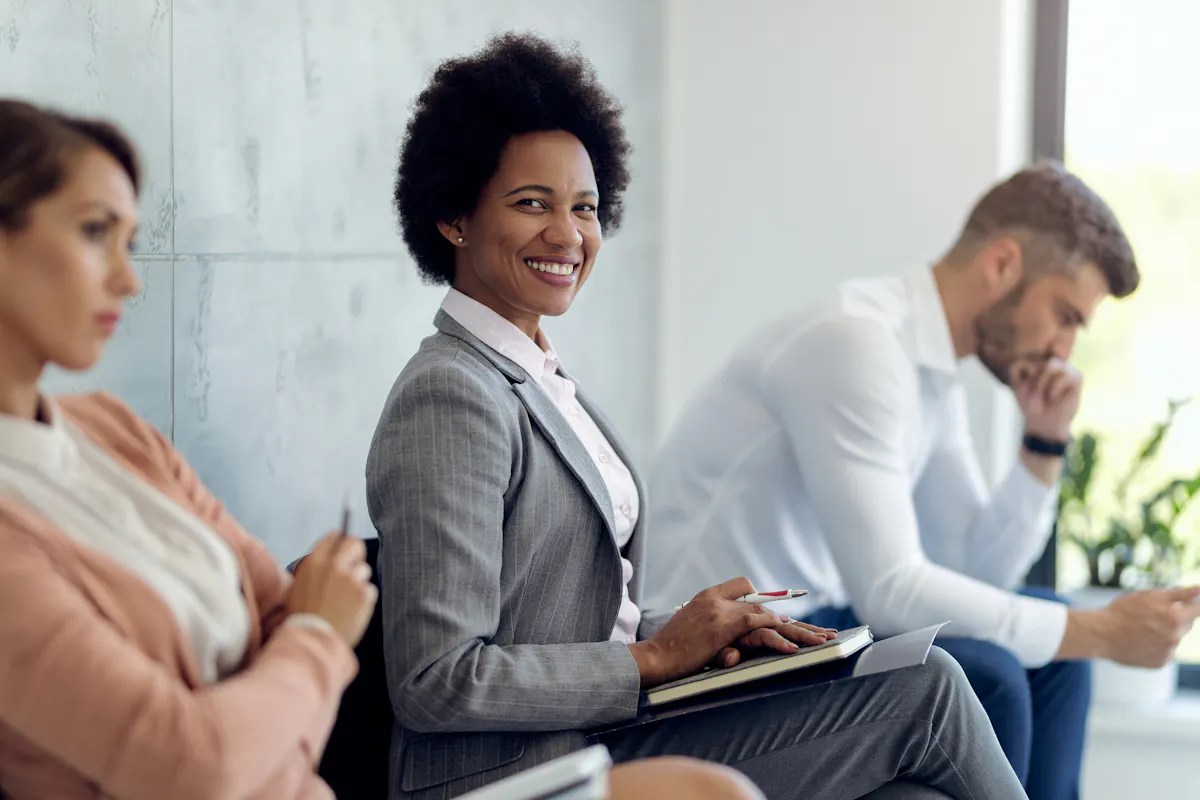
(35, 144)
(1060, 222)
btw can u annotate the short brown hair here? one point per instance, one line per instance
(1045, 205)
(35, 144)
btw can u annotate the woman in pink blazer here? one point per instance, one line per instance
(149, 648)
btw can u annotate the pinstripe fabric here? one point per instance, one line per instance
(501, 575)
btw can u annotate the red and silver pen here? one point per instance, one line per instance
(771, 597)
(766, 597)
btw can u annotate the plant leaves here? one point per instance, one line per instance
(1143, 540)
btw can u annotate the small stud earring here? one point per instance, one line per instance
(460, 240)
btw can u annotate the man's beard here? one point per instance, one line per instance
(998, 338)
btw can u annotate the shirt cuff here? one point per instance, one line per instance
(652, 622)
(1038, 630)
(310, 621)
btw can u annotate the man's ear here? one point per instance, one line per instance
(1003, 265)
(453, 231)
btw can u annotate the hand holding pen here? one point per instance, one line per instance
(766, 597)
(714, 627)
(334, 583)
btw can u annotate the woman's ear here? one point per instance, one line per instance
(453, 231)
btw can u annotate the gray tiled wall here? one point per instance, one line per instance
(279, 304)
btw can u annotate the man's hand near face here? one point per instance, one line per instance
(1049, 399)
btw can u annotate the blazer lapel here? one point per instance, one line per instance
(548, 418)
(558, 432)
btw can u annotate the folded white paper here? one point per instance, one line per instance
(906, 650)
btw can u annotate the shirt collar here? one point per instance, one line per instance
(933, 347)
(536, 358)
(43, 446)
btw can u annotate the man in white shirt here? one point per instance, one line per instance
(832, 453)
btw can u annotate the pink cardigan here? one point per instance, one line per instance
(99, 693)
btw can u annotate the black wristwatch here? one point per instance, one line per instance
(1045, 447)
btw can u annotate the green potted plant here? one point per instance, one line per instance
(1130, 537)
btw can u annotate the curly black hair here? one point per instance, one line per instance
(518, 83)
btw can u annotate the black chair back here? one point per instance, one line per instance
(355, 764)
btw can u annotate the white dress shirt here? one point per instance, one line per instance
(539, 360)
(80, 489)
(833, 454)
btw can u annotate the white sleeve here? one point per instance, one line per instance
(995, 537)
(310, 621)
(846, 395)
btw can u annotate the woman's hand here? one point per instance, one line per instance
(713, 626)
(776, 639)
(334, 582)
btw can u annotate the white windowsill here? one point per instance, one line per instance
(1141, 753)
(1178, 721)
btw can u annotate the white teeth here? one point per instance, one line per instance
(550, 267)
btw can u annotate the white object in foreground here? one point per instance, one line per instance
(579, 776)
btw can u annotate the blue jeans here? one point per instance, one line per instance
(1039, 715)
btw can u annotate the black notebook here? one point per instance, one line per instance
(847, 643)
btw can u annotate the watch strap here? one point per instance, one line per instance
(1045, 447)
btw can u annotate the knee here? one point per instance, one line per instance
(940, 681)
(945, 670)
(990, 674)
(939, 689)
(680, 777)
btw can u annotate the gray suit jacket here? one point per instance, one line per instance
(500, 570)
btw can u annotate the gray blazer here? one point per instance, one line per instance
(500, 570)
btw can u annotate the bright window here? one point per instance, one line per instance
(1133, 132)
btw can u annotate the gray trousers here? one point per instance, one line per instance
(912, 733)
